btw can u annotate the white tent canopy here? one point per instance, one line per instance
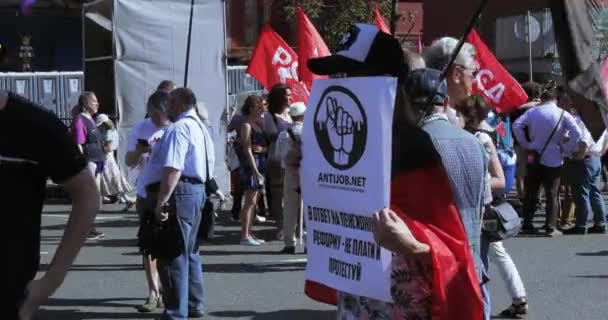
(148, 45)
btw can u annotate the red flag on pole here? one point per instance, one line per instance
(310, 45)
(494, 82)
(274, 61)
(379, 20)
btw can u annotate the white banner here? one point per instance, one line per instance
(345, 178)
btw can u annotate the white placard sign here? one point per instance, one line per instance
(345, 178)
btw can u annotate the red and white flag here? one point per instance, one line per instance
(274, 61)
(310, 46)
(494, 82)
(379, 20)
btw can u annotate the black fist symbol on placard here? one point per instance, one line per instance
(341, 127)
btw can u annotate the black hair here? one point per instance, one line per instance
(250, 103)
(159, 101)
(165, 85)
(276, 98)
(550, 91)
(533, 90)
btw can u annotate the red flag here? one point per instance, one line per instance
(310, 45)
(274, 61)
(379, 20)
(494, 82)
(419, 43)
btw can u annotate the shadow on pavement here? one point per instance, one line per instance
(75, 314)
(603, 253)
(99, 267)
(598, 276)
(278, 315)
(253, 268)
(110, 302)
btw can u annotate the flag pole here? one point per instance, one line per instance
(529, 27)
(188, 43)
(461, 42)
(393, 24)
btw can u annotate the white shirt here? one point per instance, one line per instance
(284, 141)
(186, 146)
(595, 148)
(142, 130)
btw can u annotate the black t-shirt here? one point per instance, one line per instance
(34, 145)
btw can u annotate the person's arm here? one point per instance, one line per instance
(85, 203)
(574, 143)
(246, 143)
(79, 133)
(66, 166)
(175, 147)
(497, 175)
(134, 148)
(393, 234)
(519, 130)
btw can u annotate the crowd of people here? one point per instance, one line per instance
(444, 151)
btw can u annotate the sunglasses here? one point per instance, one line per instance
(474, 71)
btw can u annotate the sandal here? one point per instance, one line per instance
(516, 311)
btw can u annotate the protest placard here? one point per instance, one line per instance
(345, 178)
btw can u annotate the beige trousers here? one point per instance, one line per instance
(292, 211)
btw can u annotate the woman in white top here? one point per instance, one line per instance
(113, 184)
(474, 111)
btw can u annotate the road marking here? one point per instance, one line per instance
(43, 252)
(66, 216)
(295, 260)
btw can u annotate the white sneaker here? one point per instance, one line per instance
(249, 242)
(259, 240)
(259, 218)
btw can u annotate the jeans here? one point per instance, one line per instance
(587, 194)
(549, 178)
(182, 277)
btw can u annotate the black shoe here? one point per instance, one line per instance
(94, 235)
(195, 314)
(597, 229)
(288, 250)
(529, 229)
(552, 232)
(576, 230)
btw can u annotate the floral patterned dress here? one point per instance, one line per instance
(411, 289)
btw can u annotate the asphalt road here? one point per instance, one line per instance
(566, 278)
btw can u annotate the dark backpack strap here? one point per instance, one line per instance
(540, 154)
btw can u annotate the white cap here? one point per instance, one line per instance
(101, 118)
(297, 109)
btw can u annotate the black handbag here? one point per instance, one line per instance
(500, 222)
(161, 239)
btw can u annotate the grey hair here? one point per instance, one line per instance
(437, 56)
(414, 60)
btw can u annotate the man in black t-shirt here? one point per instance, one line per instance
(34, 146)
